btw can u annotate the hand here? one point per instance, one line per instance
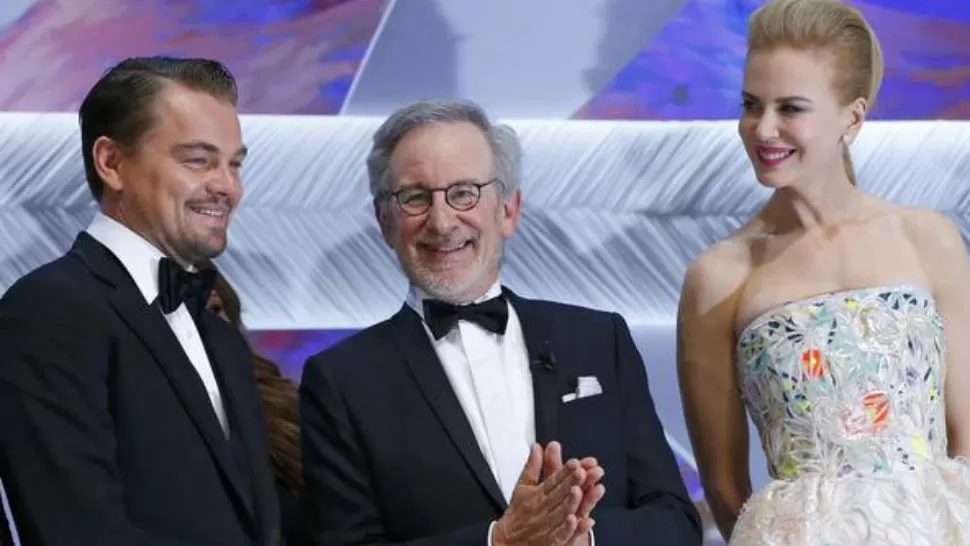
(543, 514)
(593, 491)
(581, 540)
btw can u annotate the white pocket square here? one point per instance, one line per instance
(586, 386)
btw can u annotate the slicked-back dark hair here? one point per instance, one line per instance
(120, 105)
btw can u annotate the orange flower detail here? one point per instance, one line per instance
(876, 405)
(813, 362)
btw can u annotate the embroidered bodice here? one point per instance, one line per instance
(847, 383)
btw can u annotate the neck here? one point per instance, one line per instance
(117, 213)
(817, 205)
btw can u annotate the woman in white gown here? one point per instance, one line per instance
(826, 316)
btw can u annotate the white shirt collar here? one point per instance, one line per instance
(416, 297)
(138, 256)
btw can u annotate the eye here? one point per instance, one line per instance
(414, 196)
(791, 109)
(462, 193)
(748, 105)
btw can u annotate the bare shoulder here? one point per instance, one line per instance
(931, 233)
(718, 273)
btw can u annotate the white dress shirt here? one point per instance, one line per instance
(492, 380)
(490, 375)
(141, 259)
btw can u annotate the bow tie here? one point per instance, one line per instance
(177, 286)
(442, 317)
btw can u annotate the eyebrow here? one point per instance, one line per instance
(206, 147)
(789, 98)
(422, 184)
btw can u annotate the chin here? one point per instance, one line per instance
(773, 180)
(205, 251)
(212, 251)
(451, 288)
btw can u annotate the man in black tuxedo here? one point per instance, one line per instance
(447, 424)
(130, 415)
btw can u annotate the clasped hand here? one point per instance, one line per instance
(552, 501)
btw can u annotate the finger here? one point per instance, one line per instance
(569, 505)
(565, 531)
(590, 499)
(533, 465)
(554, 491)
(552, 459)
(583, 528)
(589, 462)
(551, 521)
(568, 468)
(593, 476)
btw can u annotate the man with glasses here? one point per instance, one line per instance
(449, 423)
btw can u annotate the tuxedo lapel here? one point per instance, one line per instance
(149, 325)
(428, 373)
(544, 367)
(226, 357)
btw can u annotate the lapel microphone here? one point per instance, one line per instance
(546, 358)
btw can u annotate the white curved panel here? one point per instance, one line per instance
(613, 213)
(613, 210)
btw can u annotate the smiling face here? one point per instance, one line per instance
(180, 185)
(452, 255)
(794, 121)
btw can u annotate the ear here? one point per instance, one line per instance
(107, 158)
(511, 208)
(855, 115)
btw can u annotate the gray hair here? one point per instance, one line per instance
(502, 139)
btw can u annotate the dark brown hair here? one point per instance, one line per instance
(279, 397)
(119, 106)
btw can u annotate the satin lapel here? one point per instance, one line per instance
(426, 368)
(232, 363)
(150, 326)
(544, 366)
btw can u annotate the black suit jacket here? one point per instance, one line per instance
(389, 457)
(293, 521)
(108, 435)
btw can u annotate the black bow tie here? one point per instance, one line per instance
(177, 286)
(442, 317)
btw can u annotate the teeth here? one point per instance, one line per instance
(448, 249)
(774, 156)
(211, 212)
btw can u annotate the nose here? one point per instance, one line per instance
(767, 127)
(225, 181)
(441, 217)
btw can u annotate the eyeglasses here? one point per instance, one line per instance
(461, 196)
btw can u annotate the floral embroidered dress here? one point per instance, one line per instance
(846, 390)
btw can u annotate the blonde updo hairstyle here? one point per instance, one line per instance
(830, 25)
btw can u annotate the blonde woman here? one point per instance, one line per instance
(826, 316)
